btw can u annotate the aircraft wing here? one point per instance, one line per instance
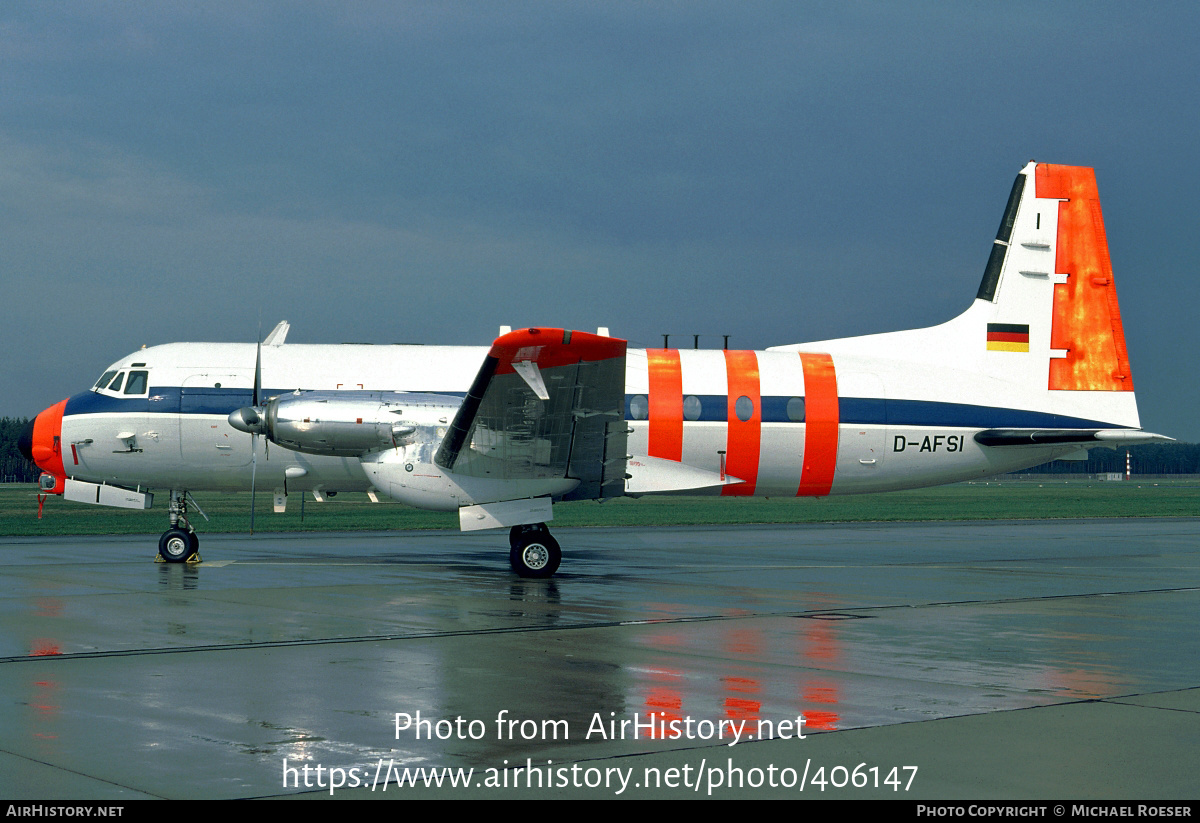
(547, 403)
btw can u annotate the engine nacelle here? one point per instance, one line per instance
(348, 424)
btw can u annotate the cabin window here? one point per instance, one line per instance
(104, 379)
(639, 407)
(136, 383)
(744, 408)
(795, 409)
(115, 385)
(691, 407)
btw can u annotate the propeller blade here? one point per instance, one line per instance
(257, 374)
(255, 425)
(253, 476)
(253, 437)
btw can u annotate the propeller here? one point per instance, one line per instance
(252, 420)
(256, 407)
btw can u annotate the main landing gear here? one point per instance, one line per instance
(533, 552)
(180, 543)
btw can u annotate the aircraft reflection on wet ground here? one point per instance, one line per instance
(135, 680)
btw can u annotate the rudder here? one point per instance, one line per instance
(1087, 318)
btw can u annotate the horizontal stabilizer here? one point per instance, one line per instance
(1060, 437)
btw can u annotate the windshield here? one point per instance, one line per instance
(136, 383)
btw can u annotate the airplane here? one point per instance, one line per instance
(1034, 370)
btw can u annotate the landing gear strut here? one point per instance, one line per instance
(533, 552)
(179, 543)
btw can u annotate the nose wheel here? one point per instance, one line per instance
(180, 543)
(533, 551)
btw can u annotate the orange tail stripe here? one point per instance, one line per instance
(744, 436)
(821, 425)
(666, 404)
(1087, 320)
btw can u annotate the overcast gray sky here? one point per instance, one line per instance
(424, 172)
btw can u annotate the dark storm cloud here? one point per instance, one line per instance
(428, 171)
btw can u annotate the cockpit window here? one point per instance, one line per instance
(104, 378)
(115, 385)
(136, 383)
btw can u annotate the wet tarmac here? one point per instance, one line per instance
(1055, 659)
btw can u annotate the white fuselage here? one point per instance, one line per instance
(807, 424)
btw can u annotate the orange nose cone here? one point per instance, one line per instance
(47, 440)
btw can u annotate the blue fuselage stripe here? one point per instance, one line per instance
(879, 411)
(712, 408)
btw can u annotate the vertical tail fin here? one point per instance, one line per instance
(1044, 331)
(1050, 263)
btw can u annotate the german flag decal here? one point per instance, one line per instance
(1007, 337)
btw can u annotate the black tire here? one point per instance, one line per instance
(176, 545)
(535, 555)
(528, 530)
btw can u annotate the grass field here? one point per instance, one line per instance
(1004, 500)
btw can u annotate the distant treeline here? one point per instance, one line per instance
(14, 468)
(1154, 458)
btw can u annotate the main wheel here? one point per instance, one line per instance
(535, 555)
(516, 533)
(177, 545)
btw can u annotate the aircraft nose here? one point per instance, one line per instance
(45, 439)
(25, 441)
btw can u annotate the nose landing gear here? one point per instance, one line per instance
(180, 543)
